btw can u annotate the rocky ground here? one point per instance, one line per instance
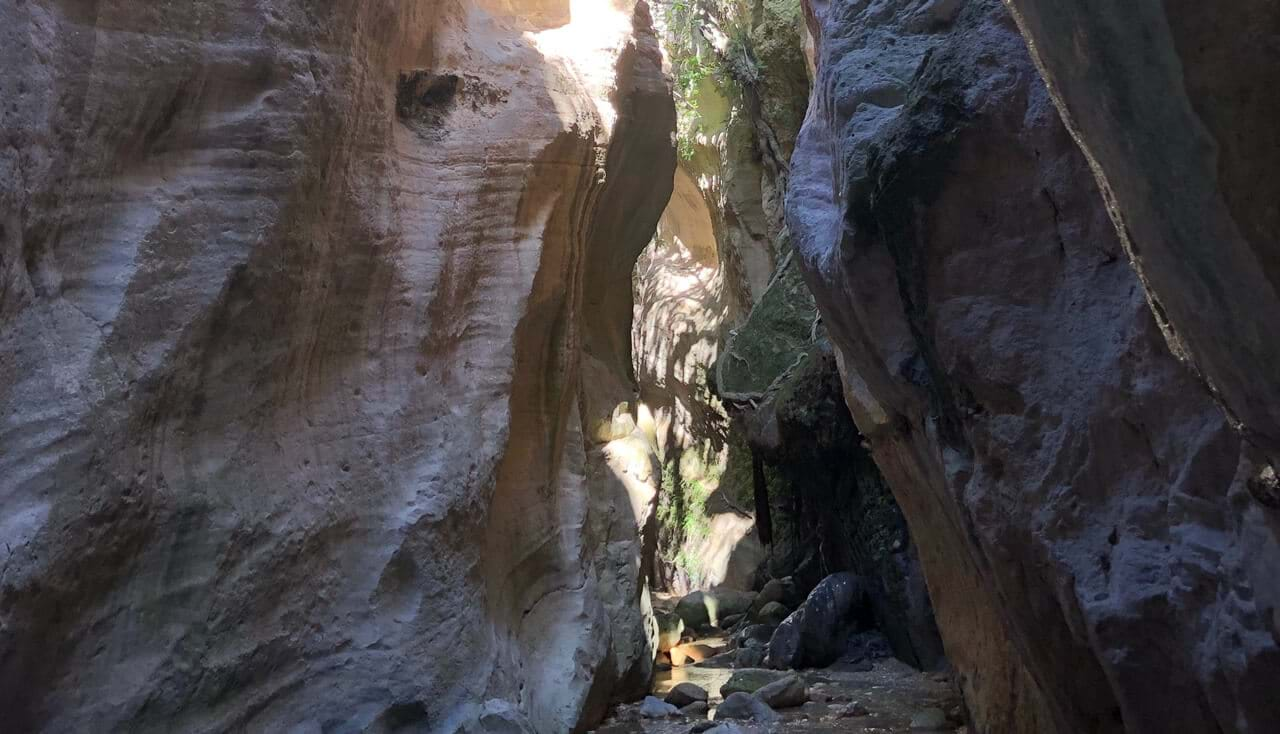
(887, 698)
(736, 678)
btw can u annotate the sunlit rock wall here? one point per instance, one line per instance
(682, 306)
(737, 128)
(307, 313)
(1094, 554)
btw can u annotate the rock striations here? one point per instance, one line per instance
(310, 314)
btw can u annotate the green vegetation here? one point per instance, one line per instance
(721, 49)
(682, 508)
(774, 339)
(699, 69)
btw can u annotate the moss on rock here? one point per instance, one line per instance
(774, 338)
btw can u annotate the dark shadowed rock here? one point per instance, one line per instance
(670, 628)
(1181, 126)
(786, 692)
(749, 657)
(683, 694)
(745, 707)
(695, 710)
(782, 590)
(785, 650)
(1087, 518)
(772, 613)
(701, 609)
(756, 633)
(749, 680)
(814, 635)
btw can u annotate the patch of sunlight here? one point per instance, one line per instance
(590, 41)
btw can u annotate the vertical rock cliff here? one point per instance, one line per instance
(1174, 104)
(1094, 552)
(312, 321)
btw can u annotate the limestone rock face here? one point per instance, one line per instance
(306, 313)
(1080, 504)
(1179, 122)
(681, 304)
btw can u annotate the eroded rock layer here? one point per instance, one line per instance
(1081, 504)
(307, 312)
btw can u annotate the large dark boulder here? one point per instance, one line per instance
(815, 634)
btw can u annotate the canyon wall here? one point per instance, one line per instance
(1085, 512)
(1179, 124)
(314, 323)
(788, 450)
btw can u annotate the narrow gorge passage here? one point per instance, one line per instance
(663, 366)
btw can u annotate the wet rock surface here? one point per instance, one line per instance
(1081, 505)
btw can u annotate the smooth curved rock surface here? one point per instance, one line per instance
(1081, 505)
(306, 310)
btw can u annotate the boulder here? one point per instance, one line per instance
(696, 710)
(756, 633)
(814, 635)
(745, 707)
(784, 646)
(784, 591)
(785, 692)
(701, 609)
(731, 621)
(497, 717)
(748, 680)
(727, 727)
(684, 694)
(692, 610)
(749, 657)
(670, 629)
(772, 613)
(656, 708)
